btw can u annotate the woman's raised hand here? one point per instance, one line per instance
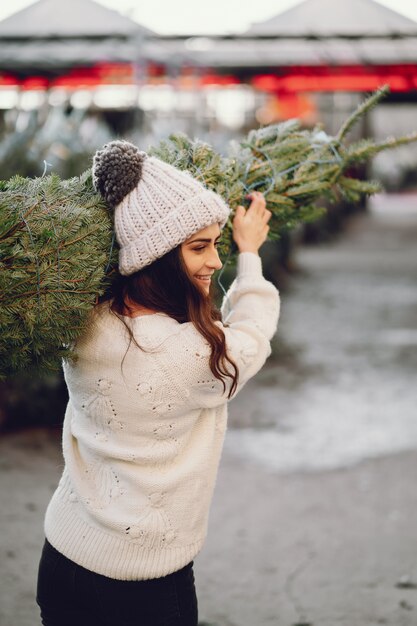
(250, 227)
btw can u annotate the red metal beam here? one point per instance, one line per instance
(400, 78)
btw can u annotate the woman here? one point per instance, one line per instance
(148, 392)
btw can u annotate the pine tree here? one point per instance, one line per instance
(57, 248)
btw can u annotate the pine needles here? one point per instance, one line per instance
(54, 245)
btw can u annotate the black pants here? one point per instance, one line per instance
(70, 595)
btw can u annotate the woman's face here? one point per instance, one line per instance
(200, 255)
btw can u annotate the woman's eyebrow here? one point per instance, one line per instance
(203, 240)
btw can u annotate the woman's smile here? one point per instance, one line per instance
(204, 277)
(204, 280)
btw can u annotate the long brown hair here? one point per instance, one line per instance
(165, 286)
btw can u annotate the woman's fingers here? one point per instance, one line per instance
(258, 203)
(250, 227)
(257, 207)
(240, 212)
(266, 216)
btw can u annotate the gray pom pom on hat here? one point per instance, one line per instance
(117, 169)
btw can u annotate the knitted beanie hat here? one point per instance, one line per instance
(157, 207)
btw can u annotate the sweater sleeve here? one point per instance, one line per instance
(250, 312)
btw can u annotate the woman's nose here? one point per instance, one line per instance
(214, 261)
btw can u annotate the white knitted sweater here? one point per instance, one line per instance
(142, 444)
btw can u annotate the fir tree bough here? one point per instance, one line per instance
(55, 238)
(57, 250)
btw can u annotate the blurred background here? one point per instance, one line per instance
(339, 390)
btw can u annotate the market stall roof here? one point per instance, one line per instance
(336, 18)
(313, 33)
(50, 36)
(53, 34)
(67, 18)
(238, 53)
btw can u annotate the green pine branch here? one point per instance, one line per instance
(366, 106)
